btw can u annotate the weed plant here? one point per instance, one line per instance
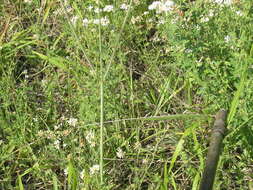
(121, 94)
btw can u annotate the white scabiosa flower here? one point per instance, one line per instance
(124, 6)
(72, 122)
(120, 153)
(74, 20)
(65, 171)
(90, 7)
(86, 22)
(57, 144)
(108, 8)
(154, 5)
(224, 2)
(94, 169)
(90, 137)
(161, 6)
(105, 21)
(28, 1)
(97, 10)
(227, 39)
(82, 174)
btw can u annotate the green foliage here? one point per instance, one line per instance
(124, 103)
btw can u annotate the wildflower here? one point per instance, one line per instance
(239, 13)
(135, 19)
(145, 13)
(28, 1)
(90, 7)
(94, 169)
(72, 122)
(162, 21)
(124, 6)
(86, 22)
(120, 153)
(144, 161)
(82, 174)
(69, 8)
(161, 6)
(74, 19)
(65, 171)
(227, 39)
(90, 137)
(104, 21)
(223, 2)
(57, 144)
(205, 19)
(97, 10)
(108, 8)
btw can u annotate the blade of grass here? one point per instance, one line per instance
(20, 184)
(117, 39)
(55, 184)
(101, 99)
(239, 92)
(72, 176)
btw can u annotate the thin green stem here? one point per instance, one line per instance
(101, 101)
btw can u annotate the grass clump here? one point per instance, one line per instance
(121, 94)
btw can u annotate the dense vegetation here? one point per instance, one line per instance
(117, 94)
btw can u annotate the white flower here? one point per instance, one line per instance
(135, 19)
(65, 171)
(90, 137)
(57, 144)
(120, 153)
(108, 8)
(124, 6)
(239, 13)
(161, 21)
(96, 21)
(86, 22)
(82, 174)
(144, 161)
(74, 19)
(97, 10)
(104, 21)
(224, 2)
(69, 8)
(161, 6)
(227, 39)
(94, 169)
(90, 7)
(145, 13)
(205, 19)
(72, 122)
(154, 5)
(28, 1)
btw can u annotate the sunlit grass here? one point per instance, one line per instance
(122, 95)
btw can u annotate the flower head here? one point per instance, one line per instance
(108, 8)
(124, 6)
(94, 169)
(72, 122)
(120, 153)
(161, 6)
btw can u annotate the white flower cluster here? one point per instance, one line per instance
(94, 169)
(162, 6)
(224, 2)
(104, 21)
(28, 1)
(90, 137)
(120, 153)
(72, 122)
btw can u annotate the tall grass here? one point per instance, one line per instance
(122, 96)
